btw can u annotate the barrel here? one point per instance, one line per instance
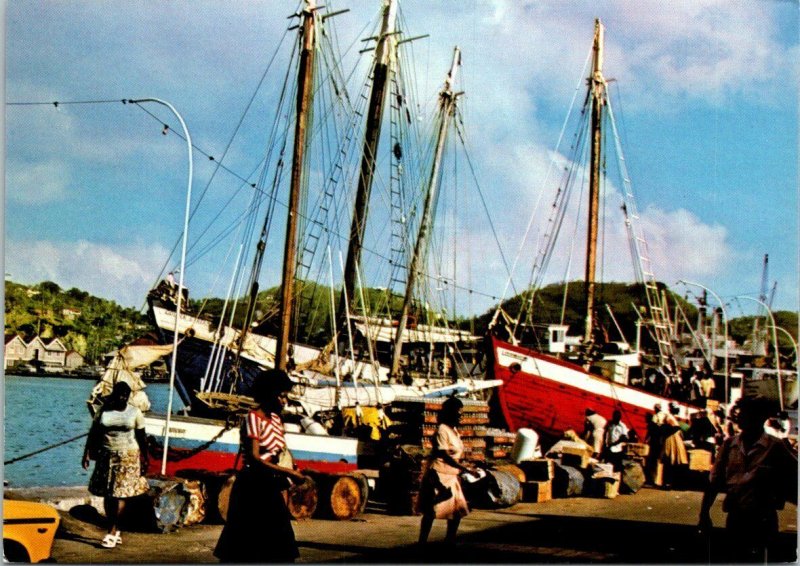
(302, 499)
(567, 481)
(340, 496)
(525, 445)
(211, 484)
(224, 497)
(509, 489)
(515, 471)
(196, 505)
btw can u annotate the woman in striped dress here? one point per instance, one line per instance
(258, 528)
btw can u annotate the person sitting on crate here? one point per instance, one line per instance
(440, 495)
(614, 442)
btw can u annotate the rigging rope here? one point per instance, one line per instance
(45, 449)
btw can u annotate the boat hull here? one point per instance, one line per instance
(211, 445)
(550, 395)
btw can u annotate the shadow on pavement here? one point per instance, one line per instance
(549, 539)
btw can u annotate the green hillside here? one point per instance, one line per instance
(87, 324)
(93, 326)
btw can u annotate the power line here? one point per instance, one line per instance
(168, 129)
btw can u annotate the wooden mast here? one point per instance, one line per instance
(597, 86)
(304, 86)
(384, 55)
(447, 105)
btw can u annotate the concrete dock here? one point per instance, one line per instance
(651, 526)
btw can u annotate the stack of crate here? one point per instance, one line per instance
(499, 444)
(538, 484)
(416, 421)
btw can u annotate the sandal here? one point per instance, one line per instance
(110, 541)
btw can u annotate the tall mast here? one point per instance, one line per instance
(384, 55)
(447, 105)
(597, 84)
(304, 86)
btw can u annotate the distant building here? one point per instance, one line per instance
(70, 314)
(73, 360)
(52, 356)
(14, 350)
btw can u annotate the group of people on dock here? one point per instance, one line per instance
(258, 526)
(754, 455)
(690, 384)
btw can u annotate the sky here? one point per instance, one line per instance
(705, 94)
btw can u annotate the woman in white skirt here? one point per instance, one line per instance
(440, 495)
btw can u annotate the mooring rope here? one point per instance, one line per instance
(45, 449)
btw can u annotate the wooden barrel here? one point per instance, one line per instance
(302, 499)
(211, 483)
(364, 485)
(224, 497)
(340, 496)
(196, 505)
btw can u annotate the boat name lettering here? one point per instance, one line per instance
(515, 356)
(177, 430)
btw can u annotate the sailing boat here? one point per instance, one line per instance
(546, 392)
(217, 364)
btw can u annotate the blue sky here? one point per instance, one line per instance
(705, 92)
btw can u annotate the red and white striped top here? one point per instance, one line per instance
(268, 432)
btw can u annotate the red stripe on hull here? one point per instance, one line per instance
(224, 461)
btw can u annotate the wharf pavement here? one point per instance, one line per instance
(651, 526)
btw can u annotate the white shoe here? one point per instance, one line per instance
(111, 540)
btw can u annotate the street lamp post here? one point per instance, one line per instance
(794, 345)
(775, 341)
(180, 276)
(725, 330)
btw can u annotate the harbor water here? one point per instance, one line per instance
(42, 411)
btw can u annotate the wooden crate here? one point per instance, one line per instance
(538, 469)
(537, 491)
(637, 449)
(575, 457)
(605, 486)
(699, 460)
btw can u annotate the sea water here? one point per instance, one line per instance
(43, 411)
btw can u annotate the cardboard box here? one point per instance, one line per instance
(538, 469)
(537, 491)
(575, 457)
(699, 460)
(637, 449)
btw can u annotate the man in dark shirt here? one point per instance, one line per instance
(758, 473)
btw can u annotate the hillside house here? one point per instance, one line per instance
(14, 350)
(73, 360)
(70, 313)
(52, 356)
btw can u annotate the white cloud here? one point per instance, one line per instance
(123, 273)
(37, 183)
